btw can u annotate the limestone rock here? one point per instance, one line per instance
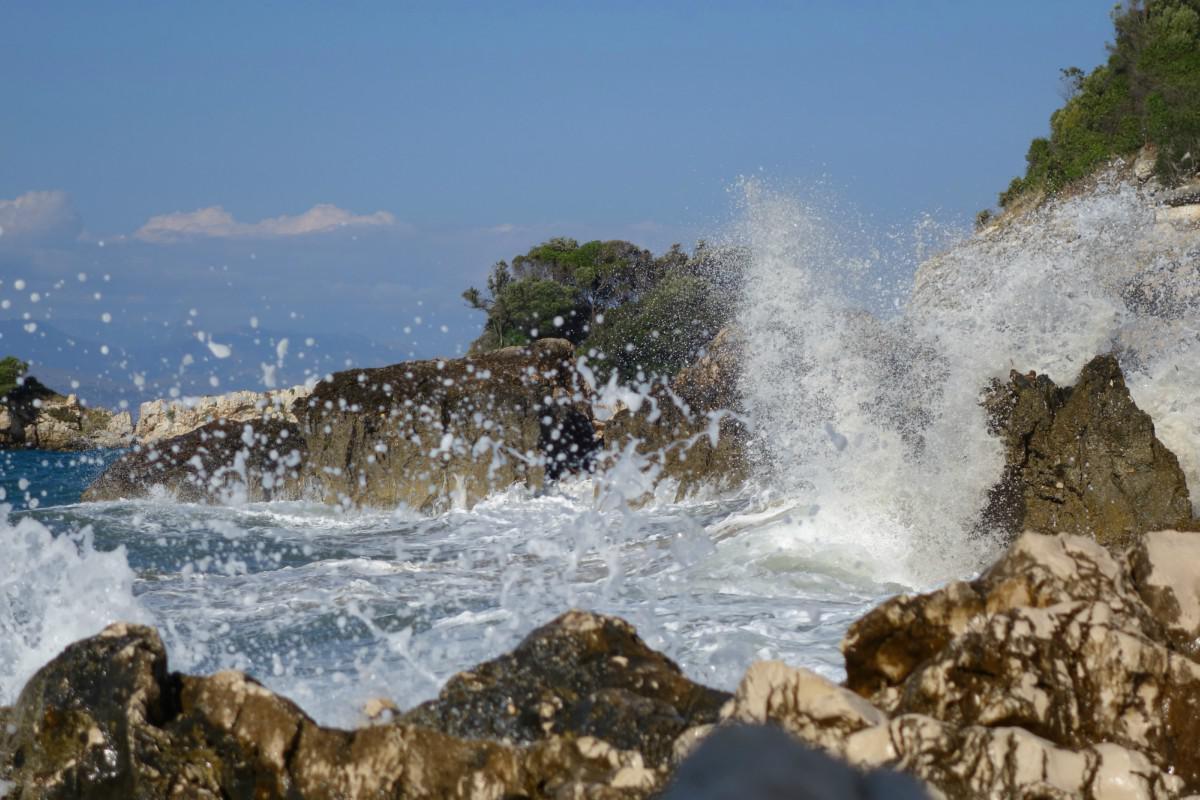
(582, 674)
(1082, 460)
(106, 719)
(691, 430)
(35, 416)
(166, 419)
(1060, 654)
(221, 461)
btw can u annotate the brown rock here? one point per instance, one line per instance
(107, 720)
(691, 431)
(1082, 460)
(432, 433)
(225, 459)
(582, 674)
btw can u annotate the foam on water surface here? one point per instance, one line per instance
(872, 461)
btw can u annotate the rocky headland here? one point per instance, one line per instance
(35, 416)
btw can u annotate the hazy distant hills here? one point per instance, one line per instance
(178, 359)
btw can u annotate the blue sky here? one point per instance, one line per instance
(437, 138)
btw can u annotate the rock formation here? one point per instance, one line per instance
(1064, 671)
(691, 429)
(166, 419)
(584, 675)
(423, 433)
(221, 461)
(1082, 459)
(35, 416)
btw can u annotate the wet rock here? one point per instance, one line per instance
(221, 461)
(36, 416)
(429, 434)
(1082, 460)
(691, 430)
(106, 719)
(582, 674)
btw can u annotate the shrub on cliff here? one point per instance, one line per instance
(11, 370)
(1147, 93)
(627, 308)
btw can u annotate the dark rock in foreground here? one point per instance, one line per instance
(761, 762)
(1063, 672)
(427, 434)
(1082, 459)
(582, 674)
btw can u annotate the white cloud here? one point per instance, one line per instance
(216, 222)
(503, 228)
(38, 217)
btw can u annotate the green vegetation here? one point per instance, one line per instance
(12, 369)
(625, 308)
(1147, 93)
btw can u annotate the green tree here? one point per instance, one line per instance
(1148, 92)
(12, 369)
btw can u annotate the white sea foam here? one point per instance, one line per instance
(55, 590)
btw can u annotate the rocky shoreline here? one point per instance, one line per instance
(1069, 668)
(1063, 671)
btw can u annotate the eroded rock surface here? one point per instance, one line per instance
(1062, 663)
(431, 433)
(427, 434)
(1082, 459)
(36, 416)
(582, 674)
(159, 420)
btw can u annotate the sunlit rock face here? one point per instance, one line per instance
(431, 434)
(1082, 459)
(1049, 672)
(166, 419)
(35, 416)
(424, 434)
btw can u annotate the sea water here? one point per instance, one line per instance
(871, 461)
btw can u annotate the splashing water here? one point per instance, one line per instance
(872, 463)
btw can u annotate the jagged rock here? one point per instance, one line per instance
(691, 430)
(35, 416)
(221, 461)
(582, 674)
(422, 433)
(1082, 460)
(106, 719)
(958, 761)
(166, 419)
(1076, 653)
(431, 433)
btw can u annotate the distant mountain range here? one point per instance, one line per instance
(181, 361)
